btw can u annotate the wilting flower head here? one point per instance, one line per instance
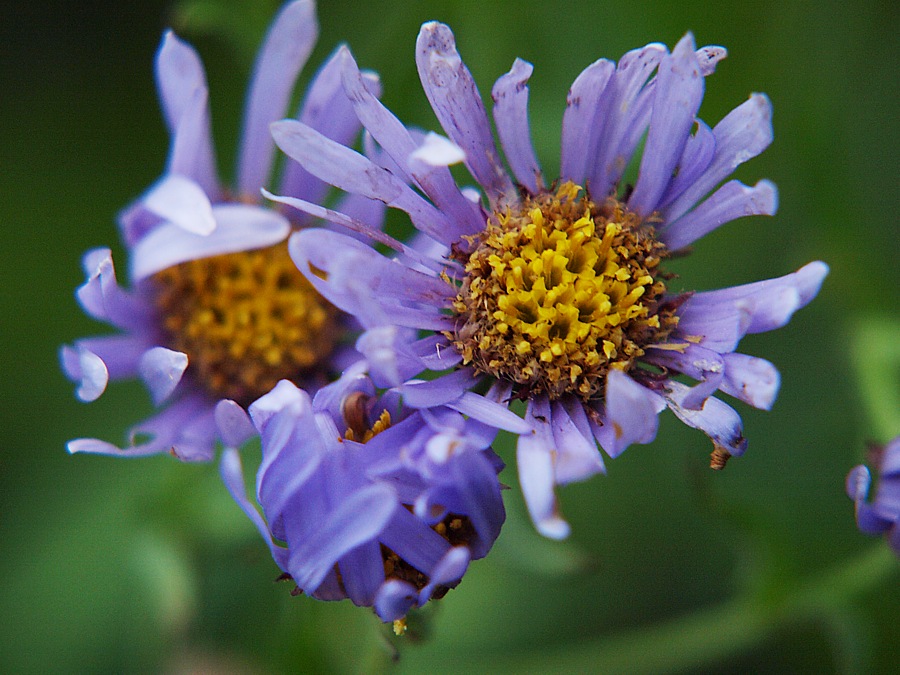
(217, 313)
(373, 501)
(882, 514)
(554, 293)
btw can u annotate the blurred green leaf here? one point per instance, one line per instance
(875, 344)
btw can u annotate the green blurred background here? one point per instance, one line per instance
(146, 566)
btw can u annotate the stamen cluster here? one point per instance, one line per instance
(559, 292)
(245, 320)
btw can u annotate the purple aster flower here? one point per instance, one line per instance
(554, 293)
(217, 312)
(882, 515)
(373, 501)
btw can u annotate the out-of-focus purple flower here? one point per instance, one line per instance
(553, 293)
(882, 514)
(370, 500)
(217, 313)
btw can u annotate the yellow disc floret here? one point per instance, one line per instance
(558, 292)
(245, 320)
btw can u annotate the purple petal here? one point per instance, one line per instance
(448, 571)
(535, 454)
(394, 599)
(496, 415)
(102, 297)
(480, 495)
(414, 541)
(454, 96)
(578, 457)
(744, 133)
(287, 46)
(233, 424)
(233, 476)
(121, 354)
(439, 391)
(704, 365)
(364, 283)
(362, 573)
(716, 419)
(632, 414)
(389, 354)
(709, 57)
(731, 201)
(326, 109)
(606, 161)
(858, 482)
(751, 379)
(182, 202)
(580, 120)
(87, 369)
(357, 519)
(161, 370)
(184, 97)
(239, 227)
(698, 153)
(510, 96)
(348, 170)
(679, 91)
(437, 183)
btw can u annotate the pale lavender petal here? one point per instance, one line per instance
(709, 57)
(326, 109)
(578, 457)
(510, 94)
(448, 571)
(632, 414)
(121, 354)
(183, 93)
(455, 99)
(580, 120)
(394, 599)
(357, 227)
(239, 227)
(357, 519)
(439, 391)
(437, 183)
(283, 395)
(437, 151)
(414, 541)
(362, 573)
(196, 441)
(287, 46)
(704, 365)
(731, 201)
(716, 419)
(182, 202)
(233, 424)
(348, 170)
(388, 352)
(103, 299)
(87, 369)
(233, 476)
(744, 133)
(858, 482)
(479, 492)
(362, 282)
(751, 379)
(161, 370)
(535, 459)
(605, 160)
(698, 153)
(494, 414)
(436, 353)
(679, 91)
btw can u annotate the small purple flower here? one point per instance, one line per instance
(217, 313)
(881, 515)
(373, 501)
(553, 293)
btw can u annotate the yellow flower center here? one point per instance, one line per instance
(560, 292)
(246, 320)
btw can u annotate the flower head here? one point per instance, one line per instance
(217, 312)
(374, 501)
(882, 514)
(555, 292)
